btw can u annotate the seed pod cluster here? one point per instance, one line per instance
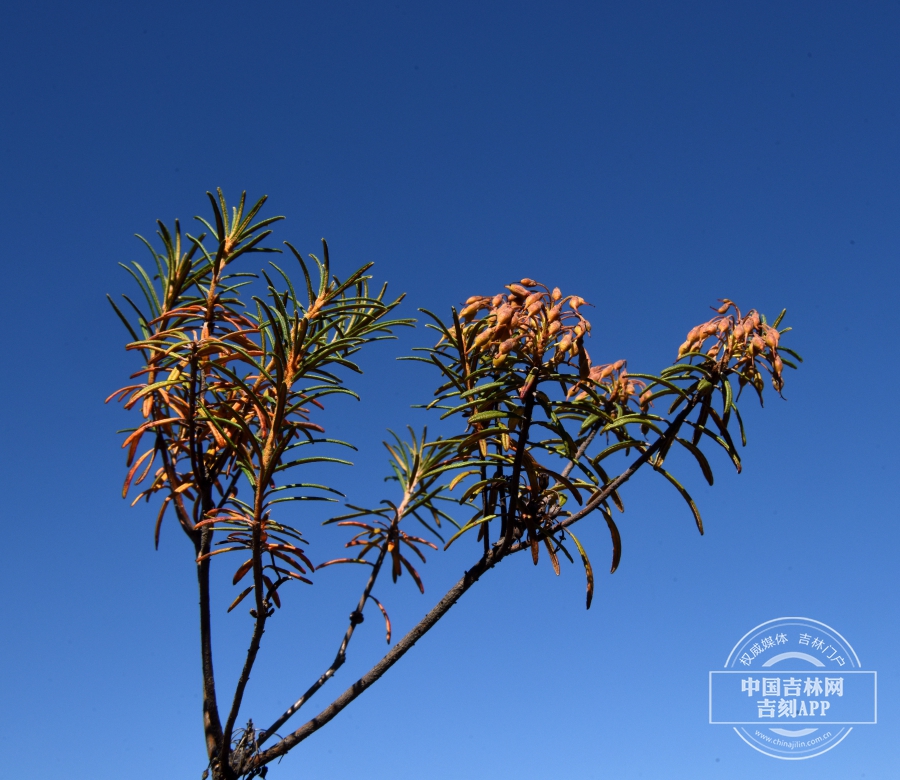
(614, 384)
(530, 323)
(741, 343)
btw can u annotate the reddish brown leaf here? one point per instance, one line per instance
(242, 570)
(387, 620)
(240, 598)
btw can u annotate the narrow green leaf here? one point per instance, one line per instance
(686, 496)
(698, 454)
(588, 569)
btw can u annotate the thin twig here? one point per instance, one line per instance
(339, 658)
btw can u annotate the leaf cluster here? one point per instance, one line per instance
(229, 389)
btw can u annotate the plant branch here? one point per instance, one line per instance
(261, 613)
(398, 651)
(521, 446)
(487, 561)
(338, 659)
(614, 484)
(211, 722)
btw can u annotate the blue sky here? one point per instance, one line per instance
(651, 157)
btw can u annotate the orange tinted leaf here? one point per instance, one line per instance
(387, 620)
(414, 573)
(240, 598)
(153, 424)
(134, 468)
(553, 559)
(159, 519)
(242, 570)
(343, 560)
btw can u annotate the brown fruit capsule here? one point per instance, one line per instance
(469, 312)
(517, 290)
(507, 346)
(528, 282)
(556, 294)
(483, 338)
(504, 315)
(501, 333)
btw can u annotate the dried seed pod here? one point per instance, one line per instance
(606, 371)
(534, 308)
(504, 314)
(472, 309)
(483, 338)
(694, 333)
(554, 328)
(528, 282)
(507, 346)
(709, 329)
(556, 294)
(517, 290)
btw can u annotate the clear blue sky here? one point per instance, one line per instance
(649, 156)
